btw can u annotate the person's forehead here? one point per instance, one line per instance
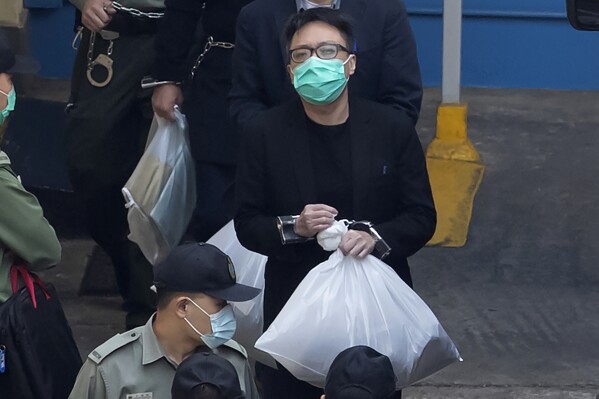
(314, 33)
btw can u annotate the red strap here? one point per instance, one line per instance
(28, 280)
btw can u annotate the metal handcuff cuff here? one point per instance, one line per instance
(104, 60)
(286, 227)
(148, 82)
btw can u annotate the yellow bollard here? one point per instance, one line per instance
(455, 171)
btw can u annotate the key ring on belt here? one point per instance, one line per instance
(209, 44)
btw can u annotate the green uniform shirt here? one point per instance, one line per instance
(133, 365)
(24, 231)
(138, 4)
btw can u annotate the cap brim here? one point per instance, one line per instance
(235, 293)
(24, 65)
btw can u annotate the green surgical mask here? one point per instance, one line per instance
(12, 99)
(320, 81)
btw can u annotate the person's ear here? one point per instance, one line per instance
(351, 65)
(181, 306)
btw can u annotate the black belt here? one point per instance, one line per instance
(129, 25)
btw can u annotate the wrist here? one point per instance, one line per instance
(381, 249)
(287, 230)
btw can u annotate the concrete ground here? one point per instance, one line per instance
(521, 298)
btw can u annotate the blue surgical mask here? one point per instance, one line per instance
(320, 81)
(12, 99)
(223, 326)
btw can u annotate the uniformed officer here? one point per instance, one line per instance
(193, 285)
(109, 118)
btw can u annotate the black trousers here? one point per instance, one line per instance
(213, 142)
(106, 134)
(215, 199)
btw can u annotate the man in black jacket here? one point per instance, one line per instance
(327, 156)
(212, 134)
(389, 72)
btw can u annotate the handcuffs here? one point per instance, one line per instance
(102, 60)
(286, 227)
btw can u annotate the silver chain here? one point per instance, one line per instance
(209, 44)
(90, 50)
(137, 13)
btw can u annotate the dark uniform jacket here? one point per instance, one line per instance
(275, 178)
(388, 71)
(178, 43)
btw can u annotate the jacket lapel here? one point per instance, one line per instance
(361, 147)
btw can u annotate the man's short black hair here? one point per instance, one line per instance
(164, 297)
(320, 14)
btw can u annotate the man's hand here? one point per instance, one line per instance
(96, 14)
(165, 98)
(314, 219)
(358, 244)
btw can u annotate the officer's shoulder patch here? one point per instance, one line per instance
(114, 343)
(236, 346)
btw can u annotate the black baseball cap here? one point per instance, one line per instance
(201, 267)
(206, 368)
(11, 63)
(360, 372)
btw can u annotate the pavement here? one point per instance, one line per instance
(520, 299)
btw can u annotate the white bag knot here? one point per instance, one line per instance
(330, 238)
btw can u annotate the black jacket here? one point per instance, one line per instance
(181, 38)
(388, 71)
(275, 178)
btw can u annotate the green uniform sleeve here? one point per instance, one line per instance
(89, 383)
(24, 230)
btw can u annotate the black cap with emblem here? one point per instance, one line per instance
(204, 268)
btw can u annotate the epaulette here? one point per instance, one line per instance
(236, 346)
(114, 343)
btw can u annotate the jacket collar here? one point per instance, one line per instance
(152, 351)
(4, 160)
(336, 4)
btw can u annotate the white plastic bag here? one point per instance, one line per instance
(160, 195)
(249, 268)
(344, 302)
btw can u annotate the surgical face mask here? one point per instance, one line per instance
(12, 99)
(223, 326)
(320, 81)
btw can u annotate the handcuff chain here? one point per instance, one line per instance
(209, 44)
(137, 13)
(90, 50)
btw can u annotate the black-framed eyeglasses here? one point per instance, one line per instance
(326, 51)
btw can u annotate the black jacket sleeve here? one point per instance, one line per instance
(400, 82)
(256, 228)
(247, 96)
(175, 39)
(415, 222)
